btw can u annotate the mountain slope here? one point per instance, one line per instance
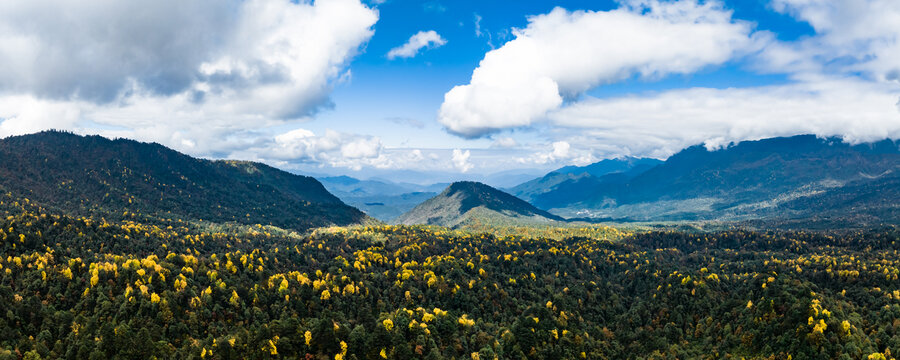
(467, 201)
(747, 180)
(93, 174)
(610, 170)
(609, 166)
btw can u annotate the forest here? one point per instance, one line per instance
(136, 286)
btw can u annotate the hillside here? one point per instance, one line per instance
(471, 201)
(87, 175)
(605, 171)
(746, 181)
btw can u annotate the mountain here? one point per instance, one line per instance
(356, 187)
(467, 201)
(605, 171)
(748, 180)
(609, 166)
(381, 199)
(508, 178)
(869, 200)
(93, 174)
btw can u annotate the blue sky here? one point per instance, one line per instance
(514, 86)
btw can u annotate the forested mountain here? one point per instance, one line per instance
(91, 174)
(599, 173)
(470, 201)
(754, 179)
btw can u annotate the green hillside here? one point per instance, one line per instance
(95, 175)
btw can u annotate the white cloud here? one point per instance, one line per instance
(478, 25)
(301, 146)
(560, 150)
(560, 153)
(843, 80)
(204, 77)
(25, 114)
(96, 49)
(661, 124)
(505, 142)
(285, 56)
(851, 35)
(461, 160)
(361, 148)
(560, 55)
(422, 39)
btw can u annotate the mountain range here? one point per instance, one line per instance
(778, 178)
(801, 181)
(605, 171)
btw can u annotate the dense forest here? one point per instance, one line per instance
(140, 287)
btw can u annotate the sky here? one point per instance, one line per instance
(454, 89)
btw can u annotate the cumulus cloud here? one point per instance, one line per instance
(422, 39)
(461, 160)
(561, 54)
(302, 146)
(198, 76)
(560, 152)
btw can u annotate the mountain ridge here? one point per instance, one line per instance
(609, 170)
(90, 174)
(698, 184)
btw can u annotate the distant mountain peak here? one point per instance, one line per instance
(464, 201)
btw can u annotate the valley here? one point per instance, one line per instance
(120, 249)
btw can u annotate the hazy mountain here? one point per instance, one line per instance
(468, 201)
(94, 174)
(352, 186)
(610, 170)
(748, 180)
(509, 178)
(381, 199)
